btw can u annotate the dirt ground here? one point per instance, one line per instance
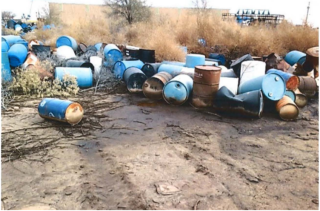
(132, 153)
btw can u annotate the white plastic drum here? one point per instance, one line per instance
(251, 69)
(225, 72)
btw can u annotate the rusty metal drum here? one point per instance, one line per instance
(287, 109)
(60, 110)
(308, 85)
(153, 87)
(205, 85)
(312, 60)
(301, 99)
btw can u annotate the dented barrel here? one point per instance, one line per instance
(249, 104)
(193, 60)
(205, 85)
(153, 87)
(230, 83)
(272, 85)
(178, 90)
(60, 110)
(149, 69)
(67, 41)
(174, 70)
(287, 109)
(17, 55)
(292, 81)
(120, 66)
(112, 54)
(294, 57)
(83, 75)
(236, 65)
(134, 79)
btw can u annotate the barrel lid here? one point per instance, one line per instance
(314, 52)
(208, 68)
(273, 86)
(74, 113)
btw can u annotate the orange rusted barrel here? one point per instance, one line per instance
(312, 61)
(287, 109)
(205, 85)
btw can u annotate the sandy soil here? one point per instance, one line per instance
(131, 153)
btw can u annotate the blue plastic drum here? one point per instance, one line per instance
(17, 55)
(120, 66)
(84, 75)
(68, 41)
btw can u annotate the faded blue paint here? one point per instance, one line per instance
(134, 79)
(178, 90)
(17, 54)
(120, 66)
(174, 63)
(272, 86)
(294, 57)
(83, 75)
(5, 67)
(68, 41)
(170, 68)
(284, 75)
(193, 60)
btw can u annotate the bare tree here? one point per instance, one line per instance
(131, 10)
(7, 15)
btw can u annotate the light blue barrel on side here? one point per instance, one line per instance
(68, 41)
(178, 90)
(171, 69)
(83, 75)
(272, 86)
(174, 63)
(120, 66)
(112, 54)
(5, 67)
(11, 39)
(284, 75)
(17, 27)
(17, 55)
(4, 45)
(294, 57)
(193, 60)
(23, 42)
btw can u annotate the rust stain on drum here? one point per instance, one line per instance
(205, 85)
(293, 83)
(209, 75)
(287, 109)
(307, 84)
(152, 87)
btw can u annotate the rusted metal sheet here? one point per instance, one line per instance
(32, 59)
(247, 104)
(205, 85)
(153, 87)
(287, 109)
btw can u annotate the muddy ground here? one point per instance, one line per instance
(132, 153)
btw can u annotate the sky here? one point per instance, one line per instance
(295, 11)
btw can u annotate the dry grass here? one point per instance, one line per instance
(170, 28)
